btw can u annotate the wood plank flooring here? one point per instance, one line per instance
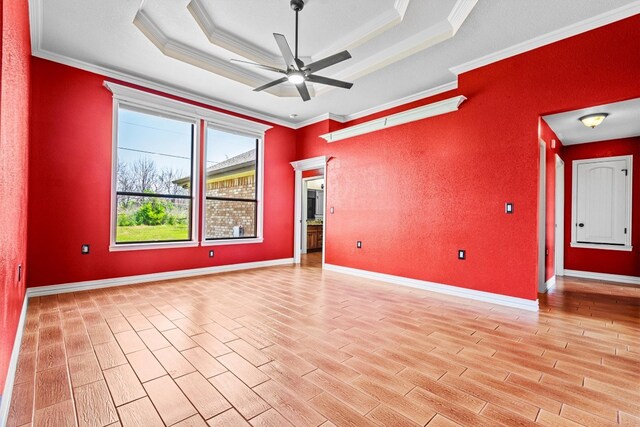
(296, 346)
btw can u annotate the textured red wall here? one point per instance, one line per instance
(70, 184)
(548, 136)
(597, 260)
(14, 135)
(416, 193)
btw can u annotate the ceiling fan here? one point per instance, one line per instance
(298, 72)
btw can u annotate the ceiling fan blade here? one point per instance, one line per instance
(286, 51)
(327, 81)
(264, 67)
(328, 61)
(268, 85)
(304, 92)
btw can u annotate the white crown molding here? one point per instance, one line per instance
(13, 365)
(460, 12)
(355, 37)
(618, 278)
(408, 116)
(321, 118)
(626, 11)
(153, 277)
(312, 163)
(190, 55)
(515, 302)
(452, 85)
(431, 36)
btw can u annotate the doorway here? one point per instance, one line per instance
(312, 232)
(317, 167)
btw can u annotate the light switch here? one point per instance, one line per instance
(508, 207)
(461, 254)
(331, 210)
(85, 249)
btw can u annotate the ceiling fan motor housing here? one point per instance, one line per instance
(297, 5)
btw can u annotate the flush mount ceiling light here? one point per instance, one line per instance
(298, 72)
(593, 120)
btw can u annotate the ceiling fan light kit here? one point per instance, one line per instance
(297, 72)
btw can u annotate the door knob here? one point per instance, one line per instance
(581, 225)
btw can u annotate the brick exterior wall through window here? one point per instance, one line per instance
(222, 215)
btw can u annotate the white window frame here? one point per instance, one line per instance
(574, 203)
(124, 95)
(224, 127)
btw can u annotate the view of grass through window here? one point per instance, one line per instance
(153, 177)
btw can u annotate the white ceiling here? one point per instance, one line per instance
(402, 49)
(623, 121)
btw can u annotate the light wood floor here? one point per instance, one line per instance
(294, 346)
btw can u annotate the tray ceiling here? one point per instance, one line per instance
(401, 48)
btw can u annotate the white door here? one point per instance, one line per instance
(601, 202)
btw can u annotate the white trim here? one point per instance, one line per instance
(628, 200)
(408, 116)
(452, 85)
(122, 247)
(542, 216)
(550, 284)
(321, 118)
(473, 294)
(299, 166)
(552, 37)
(227, 242)
(603, 246)
(618, 278)
(13, 364)
(559, 218)
(153, 277)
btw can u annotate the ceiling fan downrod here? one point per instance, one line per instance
(297, 6)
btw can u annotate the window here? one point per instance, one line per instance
(601, 205)
(231, 185)
(156, 176)
(154, 173)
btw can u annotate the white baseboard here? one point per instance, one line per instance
(521, 303)
(550, 284)
(13, 365)
(143, 278)
(631, 280)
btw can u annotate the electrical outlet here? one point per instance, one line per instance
(19, 272)
(85, 249)
(359, 244)
(462, 254)
(508, 207)
(211, 253)
(331, 210)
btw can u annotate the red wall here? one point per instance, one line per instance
(70, 185)
(598, 260)
(549, 136)
(14, 135)
(416, 193)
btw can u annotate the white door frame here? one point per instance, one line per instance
(300, 166)
(542, 214)
(559, 239)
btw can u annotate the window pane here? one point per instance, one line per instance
(230, 219)
(152, 219)
(231, 165)
(154, 153)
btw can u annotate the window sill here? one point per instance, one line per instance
(604, 247)
(225, 242)
(155, 245)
